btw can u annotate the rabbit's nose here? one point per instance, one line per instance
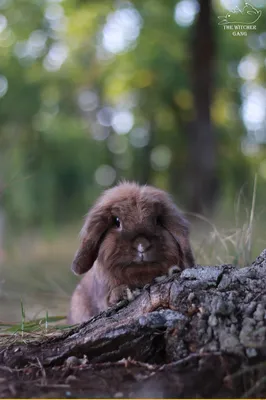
(141, 244)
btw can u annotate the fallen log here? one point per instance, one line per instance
(199, 333)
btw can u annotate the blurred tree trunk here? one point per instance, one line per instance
(142, 162)
(202, 151)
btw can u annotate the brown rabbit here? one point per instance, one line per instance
(132, 235)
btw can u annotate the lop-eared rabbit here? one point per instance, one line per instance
(131, 236)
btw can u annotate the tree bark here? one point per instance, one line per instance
(201, 333)
(202, 153)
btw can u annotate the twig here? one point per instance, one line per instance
(44, 379)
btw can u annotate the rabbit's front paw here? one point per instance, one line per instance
(118, 294)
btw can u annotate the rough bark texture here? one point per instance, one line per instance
(198, 334)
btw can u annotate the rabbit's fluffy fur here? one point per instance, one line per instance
(132, 235)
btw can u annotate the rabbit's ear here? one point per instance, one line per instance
(93, 231)
(186, 255)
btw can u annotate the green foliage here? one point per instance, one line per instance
(48, 151)
(31, 330)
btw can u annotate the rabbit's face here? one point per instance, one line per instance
(136, 233)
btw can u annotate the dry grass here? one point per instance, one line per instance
(233, 240)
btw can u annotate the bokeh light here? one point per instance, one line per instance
(105, 175)
(34, 47)
(254, 107)
(104, 116)
(53, 12)
(122, 122)
(3, 23)
(88, 100)
(185, 12)
(231, 4)
(139, 137)
(121, 30)
(117, 144)
(99, 132)
(161, 158)
(3, 85)
(248, 68)
(56, 56)
(262, 40)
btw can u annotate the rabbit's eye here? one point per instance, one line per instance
(117, 222)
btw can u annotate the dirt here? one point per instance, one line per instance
(195, 335)
(125, 379)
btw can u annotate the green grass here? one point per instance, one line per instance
(37, 325)
(32, 330)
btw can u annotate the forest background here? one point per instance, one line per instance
(170, 93)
